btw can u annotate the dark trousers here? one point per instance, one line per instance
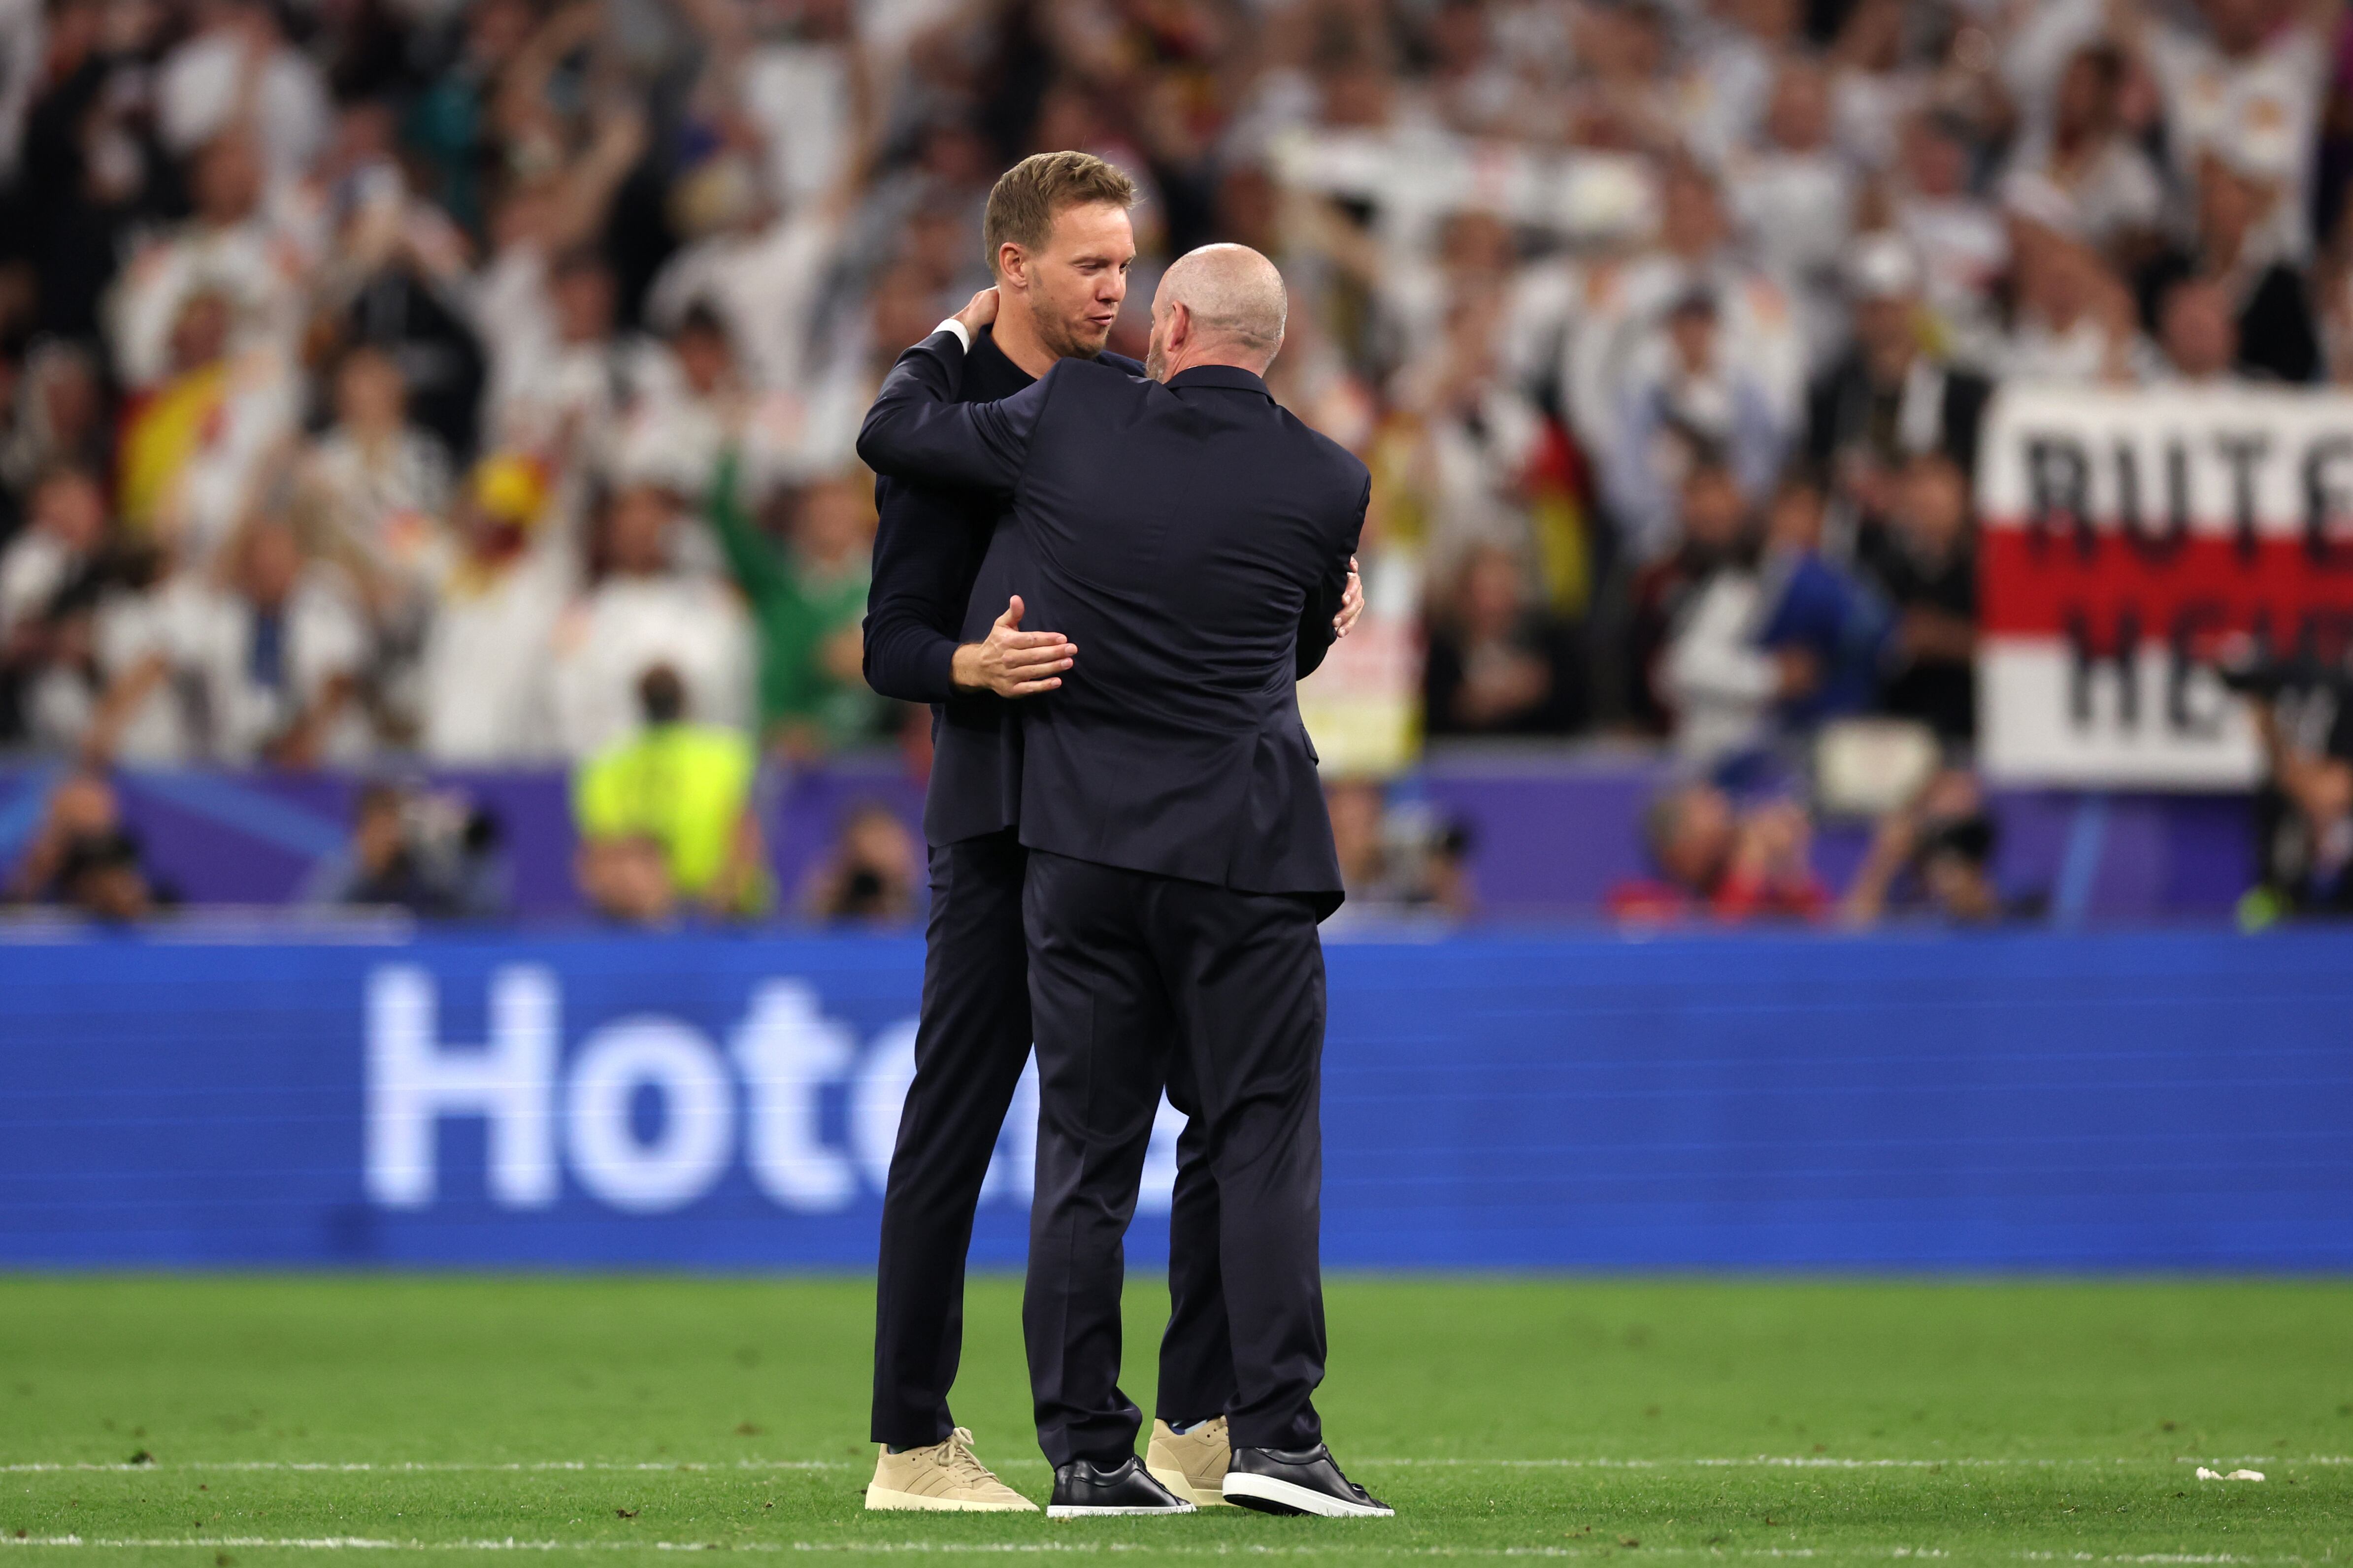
(1137, 982)
(970, 1048)
(1196, 1351)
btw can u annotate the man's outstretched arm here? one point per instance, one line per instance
(917, 430)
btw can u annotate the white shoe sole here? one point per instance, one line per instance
(881, 1499)
(1176, 1482)
(1288, 1496)
(1073, 1511)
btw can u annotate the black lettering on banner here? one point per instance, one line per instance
(2328, 501)
(2192, 623)
(2085, 658)
(2243, 452)
(2151, 544)
(2059, 491)
(2324, 638)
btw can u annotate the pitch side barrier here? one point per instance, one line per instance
(2168, 1101)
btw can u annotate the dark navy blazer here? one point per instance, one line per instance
(1193, 540)
(933, 548)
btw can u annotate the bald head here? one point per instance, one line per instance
(1222, 304)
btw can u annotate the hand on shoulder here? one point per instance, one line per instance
(980, 312)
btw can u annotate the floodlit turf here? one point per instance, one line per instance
(607, 1419)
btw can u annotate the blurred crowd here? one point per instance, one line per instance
(474, 382)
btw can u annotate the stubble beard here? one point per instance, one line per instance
(1061, 339)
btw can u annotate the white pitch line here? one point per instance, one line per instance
(1764, 1461)
(1827, 1462)
(1087, 1548)
(1354, 1548)
(434, 1467)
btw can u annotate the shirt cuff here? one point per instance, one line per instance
(962, 335)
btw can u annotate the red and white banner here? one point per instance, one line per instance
(2127, 535)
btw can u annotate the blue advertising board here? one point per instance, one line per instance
(2166, 1101)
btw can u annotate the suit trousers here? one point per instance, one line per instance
(970, 1048)
(1138, 982)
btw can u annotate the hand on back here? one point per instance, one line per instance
(1010, 661)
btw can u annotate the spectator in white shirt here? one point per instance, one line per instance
(64, 526)
(2277, 335)
(266, 668)
(674, 432)
(559, 374)
(381, 484)
(802, 92)
(1712, 675)
(486, 694)
(237, 245)
(2199, 331)
(2248, 89)
(1686, 393)
(1730, 79)
(194, 455)
(1473, 258)
(1959, 238)
(643, 612)
(2075, 321)
(1795, 200)
(1478, 434)
(59, 417)
(275, 659)
(235, 64)
(114, 694)
(1622, 97)
(1624, 302)
(2084, 174)
(543, 303)
(760, 276)
(48, 675)
(1873, 90)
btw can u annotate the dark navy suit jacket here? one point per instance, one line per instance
(1193, 540)
(942, 570)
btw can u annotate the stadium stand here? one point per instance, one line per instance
(387, 386)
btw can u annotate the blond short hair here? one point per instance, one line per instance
(1027, 197)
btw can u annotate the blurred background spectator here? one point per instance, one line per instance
(869, 877)
(1924, 562)
(431, 855)
(84, 858)
(2304, 810)
(1714, 858)
(1397, 861)
(1499, 665)
(1934, 856)
(682, 790)
(392, 381)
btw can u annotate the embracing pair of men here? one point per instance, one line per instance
(1129, 852)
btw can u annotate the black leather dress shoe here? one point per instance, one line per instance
(1084, 1490)
(1298, 1480)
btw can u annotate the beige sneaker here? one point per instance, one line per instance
(1192, 1464)
(946, 1477)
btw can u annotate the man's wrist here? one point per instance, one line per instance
(963, 334)
(964, 669)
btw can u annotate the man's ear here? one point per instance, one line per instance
(1012, 267)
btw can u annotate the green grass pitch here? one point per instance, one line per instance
(279, 1420)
